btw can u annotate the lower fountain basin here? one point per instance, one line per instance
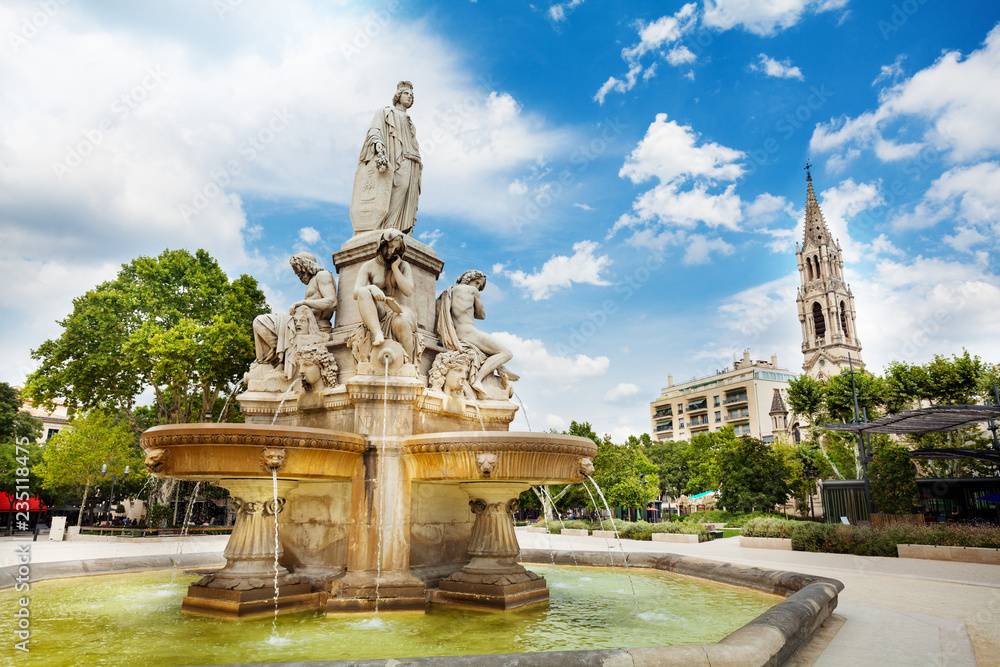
(534, 458)
(208, 452)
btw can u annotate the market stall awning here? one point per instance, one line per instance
(934, 419)
(34, 504)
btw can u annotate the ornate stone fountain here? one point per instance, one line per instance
(389, 468)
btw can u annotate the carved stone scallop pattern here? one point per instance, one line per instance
(525, 443)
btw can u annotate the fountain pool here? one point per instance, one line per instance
(132, 619)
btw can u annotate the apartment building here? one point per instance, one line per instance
(741, 397)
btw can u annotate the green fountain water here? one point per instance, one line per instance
(132, 619)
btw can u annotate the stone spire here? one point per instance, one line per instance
(816, 230)
(825, 302)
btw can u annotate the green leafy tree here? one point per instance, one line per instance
(893, 479)
(15, 423)
(92, 443)
(839, 396)
(753, 476)
(618, 470)
(174, 324)
(805, 397)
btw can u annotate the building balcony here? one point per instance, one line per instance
(669, 426)
(740, 416)
(735, 399)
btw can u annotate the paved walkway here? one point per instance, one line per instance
(896, 611)
(892, 611)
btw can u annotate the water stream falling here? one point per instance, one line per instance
(274, 620)
(190, 506)
(479, 414)
(381, 478)
(545, 490)
(283, 397)
(618, 538)
(523, 410)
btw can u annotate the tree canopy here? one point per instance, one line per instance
(15, 423)
(753, 476)
(173, 323)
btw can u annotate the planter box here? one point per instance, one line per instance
(575, 532)
(959, 554)
(766, 543)
(714, 526)
(675, 537)
(602, 533)
(537, 529)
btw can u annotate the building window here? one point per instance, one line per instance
(718, 416)
(819, 323)
(843, 322)
(680, 423)
(680, 408)
(51, 432)
(716, 400)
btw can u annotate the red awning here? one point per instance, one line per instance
(34, 504)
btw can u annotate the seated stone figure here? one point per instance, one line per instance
(457, 309)
(383, 290)
(307, 321)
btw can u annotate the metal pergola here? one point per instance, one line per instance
(934, 419)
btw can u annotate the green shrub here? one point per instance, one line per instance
(808, 536)
(684, 528)
(762, 527)
(614, 524)
(640, 530)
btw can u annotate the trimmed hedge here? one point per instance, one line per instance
(682, 528)
(761, 527)
(867, 541)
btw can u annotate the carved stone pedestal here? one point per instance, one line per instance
(493, 579)
(369, 592)
(245, 586)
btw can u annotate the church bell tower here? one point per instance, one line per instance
(825, 302)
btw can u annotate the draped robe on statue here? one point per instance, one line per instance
(396, 132)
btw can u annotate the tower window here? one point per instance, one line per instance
(809, 269)
(843, 321)
(819, 323)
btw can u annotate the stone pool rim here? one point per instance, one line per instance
(770, 639)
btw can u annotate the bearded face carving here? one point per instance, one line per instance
(586, 465)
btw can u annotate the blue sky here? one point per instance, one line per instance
(629, 175)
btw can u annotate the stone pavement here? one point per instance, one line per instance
(895, 611)
(892, 611)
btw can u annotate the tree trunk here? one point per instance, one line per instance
(83, 504)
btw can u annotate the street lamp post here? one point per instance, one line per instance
(645, 503)
(114, 478)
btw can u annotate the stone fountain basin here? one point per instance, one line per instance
(533, 458)
(208, 452)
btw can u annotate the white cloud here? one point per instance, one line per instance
(763, 17)
(556, 422)
(585, 207)
(686, 193)
(778, 69)
(195, 103)
(517, 187)
(946, 104)
(700, 248)
(533, 361)
(680, 55)
(560, 271)
(970, 195)
(669, 151)
(653, 37)
(843, 203)
(430, 237)
(891, 73)
(308, 235)
(558, 12)
(621, 391)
